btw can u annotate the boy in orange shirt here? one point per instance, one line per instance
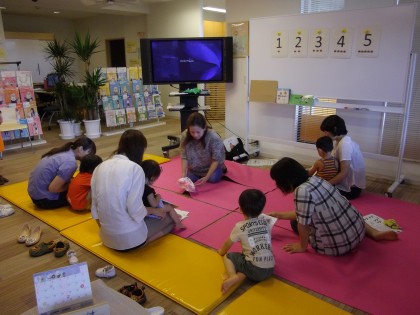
(78, 194)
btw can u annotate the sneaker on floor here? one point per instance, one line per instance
(157, 310)
(72, 258)
(6, 210)
(106, 272)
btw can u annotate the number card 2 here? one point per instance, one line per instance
(341, 43)
(367, 43)
(318, 43)
(298, 43)
(280, 46)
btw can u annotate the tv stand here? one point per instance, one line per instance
(190, 102)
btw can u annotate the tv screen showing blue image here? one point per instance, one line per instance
(187, 60)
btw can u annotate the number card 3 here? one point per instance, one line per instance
(318, 43)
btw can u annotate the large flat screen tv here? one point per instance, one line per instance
(187, 60)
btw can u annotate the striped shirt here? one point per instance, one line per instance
(329, 170)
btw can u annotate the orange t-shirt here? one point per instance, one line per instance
(77, 194)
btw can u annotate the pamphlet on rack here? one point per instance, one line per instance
(283, 96)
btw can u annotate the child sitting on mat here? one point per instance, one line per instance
(78, 194)
(327, 166)
(256, 262)
(152, 172)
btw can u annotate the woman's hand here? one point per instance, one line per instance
(201, 181)
(294, 248)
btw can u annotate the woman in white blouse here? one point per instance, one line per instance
(117, 191)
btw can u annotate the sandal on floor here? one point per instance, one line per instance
(72, 257)
(42, 249)
(23, 236)
(127, 289)
(6, 210)
(34, 237)
(134, 292)
(61, 248)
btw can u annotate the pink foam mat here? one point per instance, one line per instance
(200, 214)
(378, 278)
(224, 194)
(250, 176)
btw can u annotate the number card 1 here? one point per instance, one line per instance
(341, 43)
(318, 43)
(298, 43)
(280, 46)
(367, 44)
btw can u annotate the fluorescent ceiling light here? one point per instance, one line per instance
(214, 9)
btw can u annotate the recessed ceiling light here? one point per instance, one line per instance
(2, 8)
(56, 12)
(214, 9)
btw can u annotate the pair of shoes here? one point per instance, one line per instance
(61, 248)
(134, 292)
(23, 236)
(42, 249)
(71, 257)
(33, 237)
(106, 272)
(6, 210)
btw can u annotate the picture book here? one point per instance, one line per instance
(133, 73)
(110, 118)
(111, 74)
(382, 225)
(142, 113)
(117, 102)
(283, 96)
(131, 114)
(148, 98)
(120, 117)
(122, 73)
(138, 100)
(30, 111)
(9, 82)
(159, 111)
(19, 112)
(22, 133)
(24, 78)
(34, 125)
(156, 99)
(155, 89)
(127, 101)
(114, 88)
(7, 73)
(26, 94)
(8, 135)
(11, 95)
(107, 103)
(137, 86)
(151, 112)
(104, 90)
(124, 88)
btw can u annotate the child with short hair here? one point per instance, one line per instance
(152, 172)
(327, 166)
(78, 194)
(256, 262)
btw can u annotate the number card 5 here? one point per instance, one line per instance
(367, 44)
(280, 47)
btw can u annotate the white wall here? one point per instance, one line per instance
(365, 131)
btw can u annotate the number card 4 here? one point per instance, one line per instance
(341, 43)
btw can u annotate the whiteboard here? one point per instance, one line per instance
(379, 73)
(30, 53)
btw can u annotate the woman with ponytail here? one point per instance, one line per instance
(48, 182)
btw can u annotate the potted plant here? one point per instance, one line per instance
(59, 55)
(84, 48)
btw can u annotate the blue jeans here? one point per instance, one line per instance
(214, 178)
